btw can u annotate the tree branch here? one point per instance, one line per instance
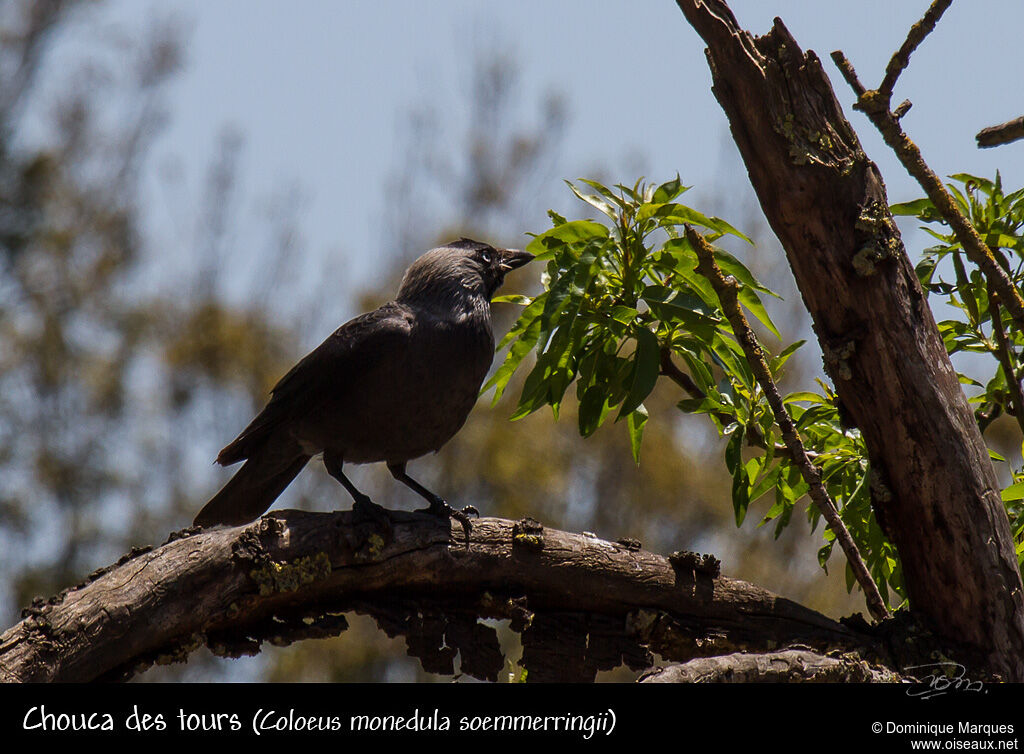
(790, 665)
(901, 58)
(581, 603)
(1004, 133)
(727, 294)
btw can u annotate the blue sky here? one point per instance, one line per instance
(319, 89)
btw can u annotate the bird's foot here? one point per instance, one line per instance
(438, 507)
(366, 510)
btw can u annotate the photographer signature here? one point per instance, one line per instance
(942, 678)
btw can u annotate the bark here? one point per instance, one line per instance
(935, 491)
(786, 666)
(581, 603)
(1004, 133)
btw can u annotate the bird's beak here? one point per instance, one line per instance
(513, 258)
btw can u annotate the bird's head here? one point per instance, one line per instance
(460, 271)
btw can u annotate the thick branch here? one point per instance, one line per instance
(582, 603)
(936, 491)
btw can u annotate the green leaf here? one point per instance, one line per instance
(646, 367)
(959, 198)
(668, 191)
(730, 357)
(676, 307)
(966, 178)
(599, 187)
(805, 396)
(1002, 241)
(534, 387)
(915, 208)
(947, 239)
(702, 287)
(592, 410)
(595, 201)
(515, 355)
(670, 214)
(681, 252)
(569, 233)
(778, 362)
(750, 299)
(763, 487)
(1013, 492)
(824, 554)
(733, 451)
(624, 314)
(964, 286)
(740, 492)
(636, 422)
(773, 513)
(526, 318)
(512, 298)
(556, 299)
(699, 371)
(730, 265)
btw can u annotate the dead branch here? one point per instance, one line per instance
(581, 603)
(791, 665)
(1004, 133)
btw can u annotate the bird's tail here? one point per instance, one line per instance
(250, 492)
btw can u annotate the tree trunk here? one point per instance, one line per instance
(933, 487)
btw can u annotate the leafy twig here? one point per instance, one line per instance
(726, 290)
(755, 437)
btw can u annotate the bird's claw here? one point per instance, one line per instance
(441, 509)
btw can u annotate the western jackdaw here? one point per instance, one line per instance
(391, 385)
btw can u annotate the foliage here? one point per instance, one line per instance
(983, 327)
(622, 301)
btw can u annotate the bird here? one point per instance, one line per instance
(388, 386)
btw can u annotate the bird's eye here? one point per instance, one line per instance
(485, 256)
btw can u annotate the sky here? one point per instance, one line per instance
(319, 90)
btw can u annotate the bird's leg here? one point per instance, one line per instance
(362, 506)
(438, 505)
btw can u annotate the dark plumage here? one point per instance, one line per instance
(391, 385)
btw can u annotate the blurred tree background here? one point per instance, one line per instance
(128, 360)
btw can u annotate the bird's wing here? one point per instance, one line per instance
(355, 346)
